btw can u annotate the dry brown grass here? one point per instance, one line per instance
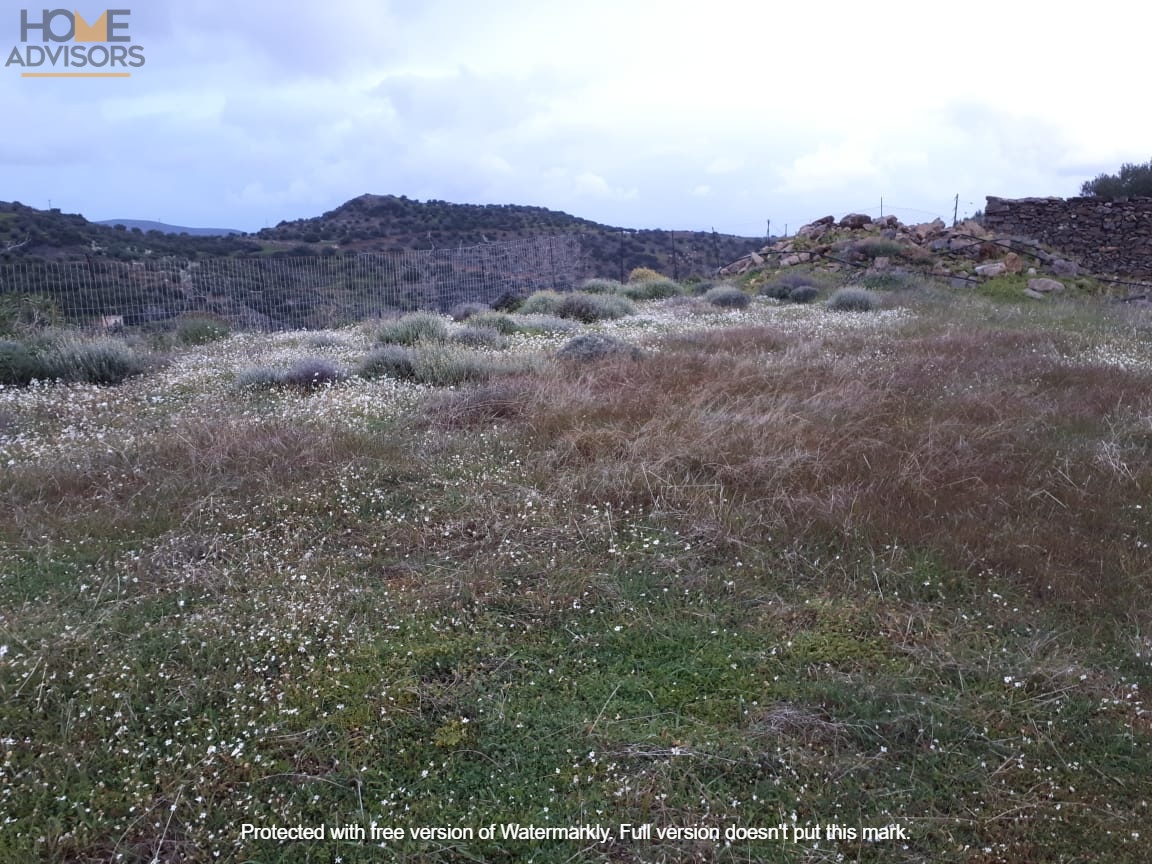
(175, 473)
(982, 448)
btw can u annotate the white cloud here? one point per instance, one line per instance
(644, 114)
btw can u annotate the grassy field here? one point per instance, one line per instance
(811, 574)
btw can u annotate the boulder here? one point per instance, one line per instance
(927, 229)
(1061, 267)
(1035, 295)
(972, 228)
(991, 271)
(881, 262)
(790, 261)
(756, 259)
(855, 220)
(1045, 286)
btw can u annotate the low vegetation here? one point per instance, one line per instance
(853, 299)
(412, 328)
(727, 297)
(882, 571)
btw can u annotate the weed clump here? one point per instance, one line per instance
(578, 305)
(643, 274)
(464, 311)
(444, 365)
(492, 320)
(544, 324)
(594, 307)
(803, 294)
(312, 372)
(307, 374)
(509, 301)
(597, 346)
(542, 303)
(391, 361)
(479, 337)
(780, 287)
(412, 328)
(17, 364)
(89, 361)
(727, 297)
(201, 330)
(600, 286)
(651, 289)
(853, 299)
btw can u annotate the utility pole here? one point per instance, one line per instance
(768, 231)
(881, 208)
(955, 210)
(715, 250)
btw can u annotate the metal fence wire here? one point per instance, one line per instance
(282, 293)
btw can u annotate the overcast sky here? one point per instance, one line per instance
(659, 114)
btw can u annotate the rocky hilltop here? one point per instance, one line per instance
(966, 254)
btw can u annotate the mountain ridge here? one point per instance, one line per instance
(374, 223)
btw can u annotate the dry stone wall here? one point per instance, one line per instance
(1106, 237)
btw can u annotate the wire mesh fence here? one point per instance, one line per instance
(284, 293)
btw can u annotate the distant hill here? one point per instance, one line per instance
(370, 223)
(165, 228)
(387, 222)
(48, 235)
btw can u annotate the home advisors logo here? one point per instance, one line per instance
(98, 50)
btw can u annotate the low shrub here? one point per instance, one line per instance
(306, 374)
(600, 286)
(780, 287)
(727, 297)
(544, 324)
(509, 301)
(702, 288)
(464, 311)
(891, 280)
(651, 289)
(326, 340)
(391, 361)
(447, 365)
(878, 247)
(412, 328)
(257, 378)
(201, 330)
(312, 372)
(643, 274)
(853, 299)
(90, 361)
(497, 321)
(803, 294)
(597, 346)
(479, 337)
(18, 366)
(593, 307)
(542, 303)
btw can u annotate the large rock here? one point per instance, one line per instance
(1045, 286)
(1061, 267)
(972, 228)
(855, 220)
(928, 229)
(991, 271)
